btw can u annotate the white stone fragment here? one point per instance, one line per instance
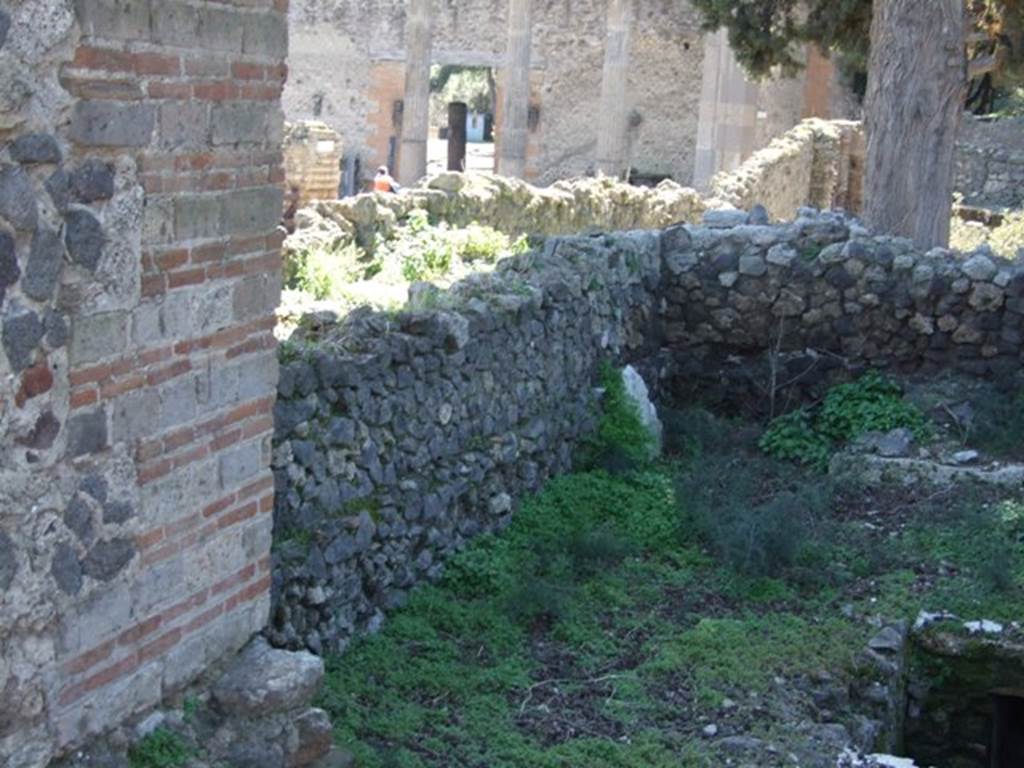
(636, 390)
(984, 626)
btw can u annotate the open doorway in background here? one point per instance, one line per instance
(476, 87)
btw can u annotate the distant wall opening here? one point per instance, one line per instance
(477, 88)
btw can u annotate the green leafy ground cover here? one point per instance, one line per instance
(625, 610)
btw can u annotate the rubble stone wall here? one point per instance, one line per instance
(990, 162)
(399, 437)
(140, 175)
(818, 163)
(823, 284)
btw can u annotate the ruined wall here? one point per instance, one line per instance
(817, 163)
(508, 205)
(990, 162)
(347, 70)
(824, 283)
(398, 438)
(312, 170)
(139, 190)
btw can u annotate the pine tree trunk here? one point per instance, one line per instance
(916, 90)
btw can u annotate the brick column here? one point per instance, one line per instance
(162, 563)
(611, 134)
(412, 160)
(513, 130)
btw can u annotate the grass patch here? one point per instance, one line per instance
(615, 615)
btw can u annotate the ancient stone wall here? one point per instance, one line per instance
(312, 165)
(140, 175)
(822, 283)
(508, 205)
(818, 163)
(990, 162)
(398, 438)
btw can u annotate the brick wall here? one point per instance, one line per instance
(312, 165)
(139, 366)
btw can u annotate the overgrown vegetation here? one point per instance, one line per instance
(620, 610)
(872, 403)
(418, 249)
(621, 441)
(162, 748)
(998, 425)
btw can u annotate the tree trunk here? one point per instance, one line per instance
(916, 88)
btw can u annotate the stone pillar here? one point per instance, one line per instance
(412, 158)
(458, 113)
(612, 157)
(727, 126)
(513, 131)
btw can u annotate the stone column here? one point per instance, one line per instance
(727, 125)
(412, 158)
(513, 132)
(612, 129)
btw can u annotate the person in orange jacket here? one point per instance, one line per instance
(383, 182)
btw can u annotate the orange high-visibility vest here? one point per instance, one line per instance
(382, 184)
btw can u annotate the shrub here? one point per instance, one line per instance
(792, 437)
(872, 403)
(163, 748)
(999, 425)
(322, 272)
(757, 518)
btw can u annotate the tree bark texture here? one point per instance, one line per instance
(916, 89)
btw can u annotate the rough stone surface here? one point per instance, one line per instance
(637, 391)
(21, 335)
(9, 270)
(67, 569)
(8, 563)
(35, 148)
(43, 266)
(106, 559)
(93, 180)
(87, 433)
(265, 680)
(17, 198)
(84, 237)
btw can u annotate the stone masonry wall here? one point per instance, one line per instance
(990, 162)
(825, 288)
(312, 169)
(398, 438)
(140, 175)
(818, 163)
(508, 205)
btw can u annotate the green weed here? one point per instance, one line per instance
(162, 748)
